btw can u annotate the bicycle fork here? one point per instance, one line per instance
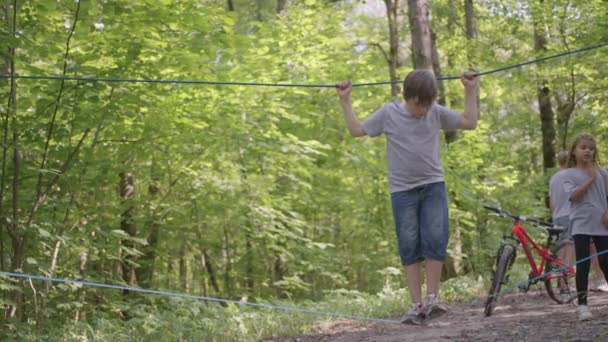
(499, 255)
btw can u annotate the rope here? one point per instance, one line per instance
(195, 82)
(190, 296)
(259, 305)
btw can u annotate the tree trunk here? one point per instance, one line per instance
(422, 45)
(18, 253)
(281, 4)
(183, 269)
(206, 260)
(83, 262)
(6, 117)
(145, 274)
(547, 116)
(424, 48)
(259, 10)
(457, 240)
(127, 224)
(564, 114)
(392, 59)
(249, 248)
(450, 136)
(469, 15)
(227, 251)
(249, 271)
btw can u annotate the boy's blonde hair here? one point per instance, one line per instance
(420, 84)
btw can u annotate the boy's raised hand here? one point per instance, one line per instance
(470, 79)
(343, 89)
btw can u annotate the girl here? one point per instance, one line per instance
(587, 186)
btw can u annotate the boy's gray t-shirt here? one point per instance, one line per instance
(586, 214)
(412, 143)
(560, 200)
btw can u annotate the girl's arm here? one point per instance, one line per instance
(578, 194)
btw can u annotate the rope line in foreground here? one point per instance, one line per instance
(259, 305)
(190, 296)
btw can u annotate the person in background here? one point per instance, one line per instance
(560, 207)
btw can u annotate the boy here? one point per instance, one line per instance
(417, 187)
(560, 205)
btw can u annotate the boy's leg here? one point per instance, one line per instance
(433, 276)
(566, 253)
(434, 233)
(414, 281)
(405, 212)
(597, 282)
(601, 242)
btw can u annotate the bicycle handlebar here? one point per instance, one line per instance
(504, 213)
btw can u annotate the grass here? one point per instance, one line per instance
(175, 319)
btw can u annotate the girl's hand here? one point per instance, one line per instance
(605, 218)
(593, 173)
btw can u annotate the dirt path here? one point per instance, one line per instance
(528, 316)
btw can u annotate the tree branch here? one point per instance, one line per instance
(45, 152)
(386, 57)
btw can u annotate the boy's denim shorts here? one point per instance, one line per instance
(564, 222)
(422, 223)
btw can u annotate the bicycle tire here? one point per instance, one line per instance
(561, 290)
(504, 260)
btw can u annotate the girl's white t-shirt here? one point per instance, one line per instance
(586, 214)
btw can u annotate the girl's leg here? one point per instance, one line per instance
(581, 247)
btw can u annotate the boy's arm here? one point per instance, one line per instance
(469, 118)
(344, 89)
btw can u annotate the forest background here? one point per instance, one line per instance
(258, 193)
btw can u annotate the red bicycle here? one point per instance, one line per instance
(558, 279)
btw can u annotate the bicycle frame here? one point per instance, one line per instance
(552, 271)
(521, 235)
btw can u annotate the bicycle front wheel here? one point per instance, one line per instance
(504, 259)
(560, 284)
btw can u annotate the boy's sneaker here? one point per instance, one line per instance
(583, 312)
(415, 315)
(602, 288)
(433, 308)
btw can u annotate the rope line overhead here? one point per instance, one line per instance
(259, 84)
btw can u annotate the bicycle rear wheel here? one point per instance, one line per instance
(504, 259)
(561, 289)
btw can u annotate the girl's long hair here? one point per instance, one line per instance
(577, 140)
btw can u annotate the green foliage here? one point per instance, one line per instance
(255, 192)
